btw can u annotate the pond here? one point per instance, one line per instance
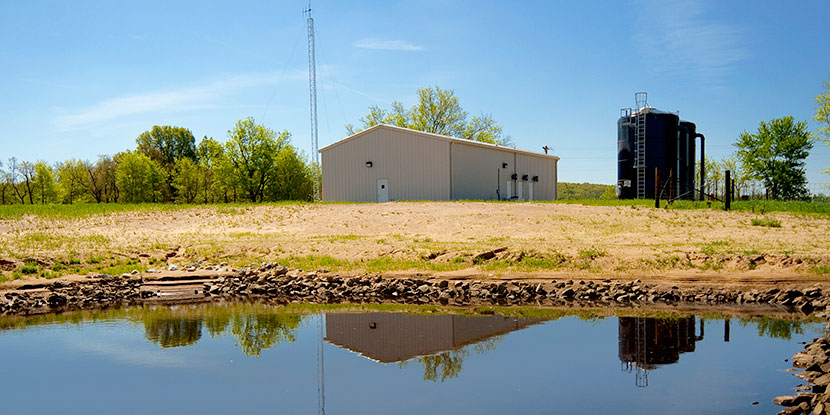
(302, 359)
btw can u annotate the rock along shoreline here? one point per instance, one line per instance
(276, 282)
(813, 398)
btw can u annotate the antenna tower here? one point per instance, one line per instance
(312, 86)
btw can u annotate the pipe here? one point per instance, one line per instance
(702, 163)
(683, 186)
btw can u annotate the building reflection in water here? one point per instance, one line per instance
(395, 337)
(648, 343)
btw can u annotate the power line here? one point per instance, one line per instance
(279, 80)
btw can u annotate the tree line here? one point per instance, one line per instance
(255, 164)
(770, 162)
(258, 164)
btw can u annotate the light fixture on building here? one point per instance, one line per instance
(504, 165)
(524, 177)
(368, 164)
(535, 178)
(514, 176)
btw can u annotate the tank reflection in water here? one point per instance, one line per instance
(648, 343)
(255, 358)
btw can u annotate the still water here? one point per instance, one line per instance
(262, 359)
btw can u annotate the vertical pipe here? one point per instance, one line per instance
(727, 189)
(702, 166)
(451, 193)
(498, 183)
(656, 187)
(726, 330)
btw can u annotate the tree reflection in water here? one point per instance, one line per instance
(256, 328)
(448, 364)
(775, 328)
(256, 332)
(172, 332)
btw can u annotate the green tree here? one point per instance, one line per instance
(211, 157)
(139, 178)
(70, 180)
(106, 169)
(823, 116)
(251, 149)
(21, 175)
(43, 184)
(186, 180)
(775, 155)
(713, 183)
(571, 191)
(79, 179)
(5, 185)
(165, 144)
(737, 173)
(293, 178)
(437, 111)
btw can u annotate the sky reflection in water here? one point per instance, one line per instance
(258, 359)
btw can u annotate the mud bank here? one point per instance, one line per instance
(275, 282)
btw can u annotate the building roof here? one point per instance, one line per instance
(438, 137)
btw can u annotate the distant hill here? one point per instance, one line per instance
(569, 191)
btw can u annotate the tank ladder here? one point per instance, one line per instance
(641, 100)
(641, 374)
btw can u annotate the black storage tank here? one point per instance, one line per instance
(669, 146)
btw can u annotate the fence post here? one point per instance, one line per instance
(727, 189)
(656, 187)
(671, 184)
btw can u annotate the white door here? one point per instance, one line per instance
(509, 187)
(383, 190)
(519, 190)
(530, 191)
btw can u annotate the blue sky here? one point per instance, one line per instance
(81, 79)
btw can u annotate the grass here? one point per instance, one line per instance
(714, 247)
(771, 223)
(820, 209)
(821, 270)
(81, 210)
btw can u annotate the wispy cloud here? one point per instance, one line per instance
(378, 44)
(359, 92)
(679, 38)
(124, 353)
(181, 99)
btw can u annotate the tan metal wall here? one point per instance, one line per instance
(545, 168)
(416, 166)
(477, 171)
(421, 166)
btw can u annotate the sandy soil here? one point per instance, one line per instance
(443, 239)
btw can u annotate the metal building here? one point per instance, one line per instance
(386, 163)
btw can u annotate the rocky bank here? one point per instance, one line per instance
(276, 282)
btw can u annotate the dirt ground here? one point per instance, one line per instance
(444, 239)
